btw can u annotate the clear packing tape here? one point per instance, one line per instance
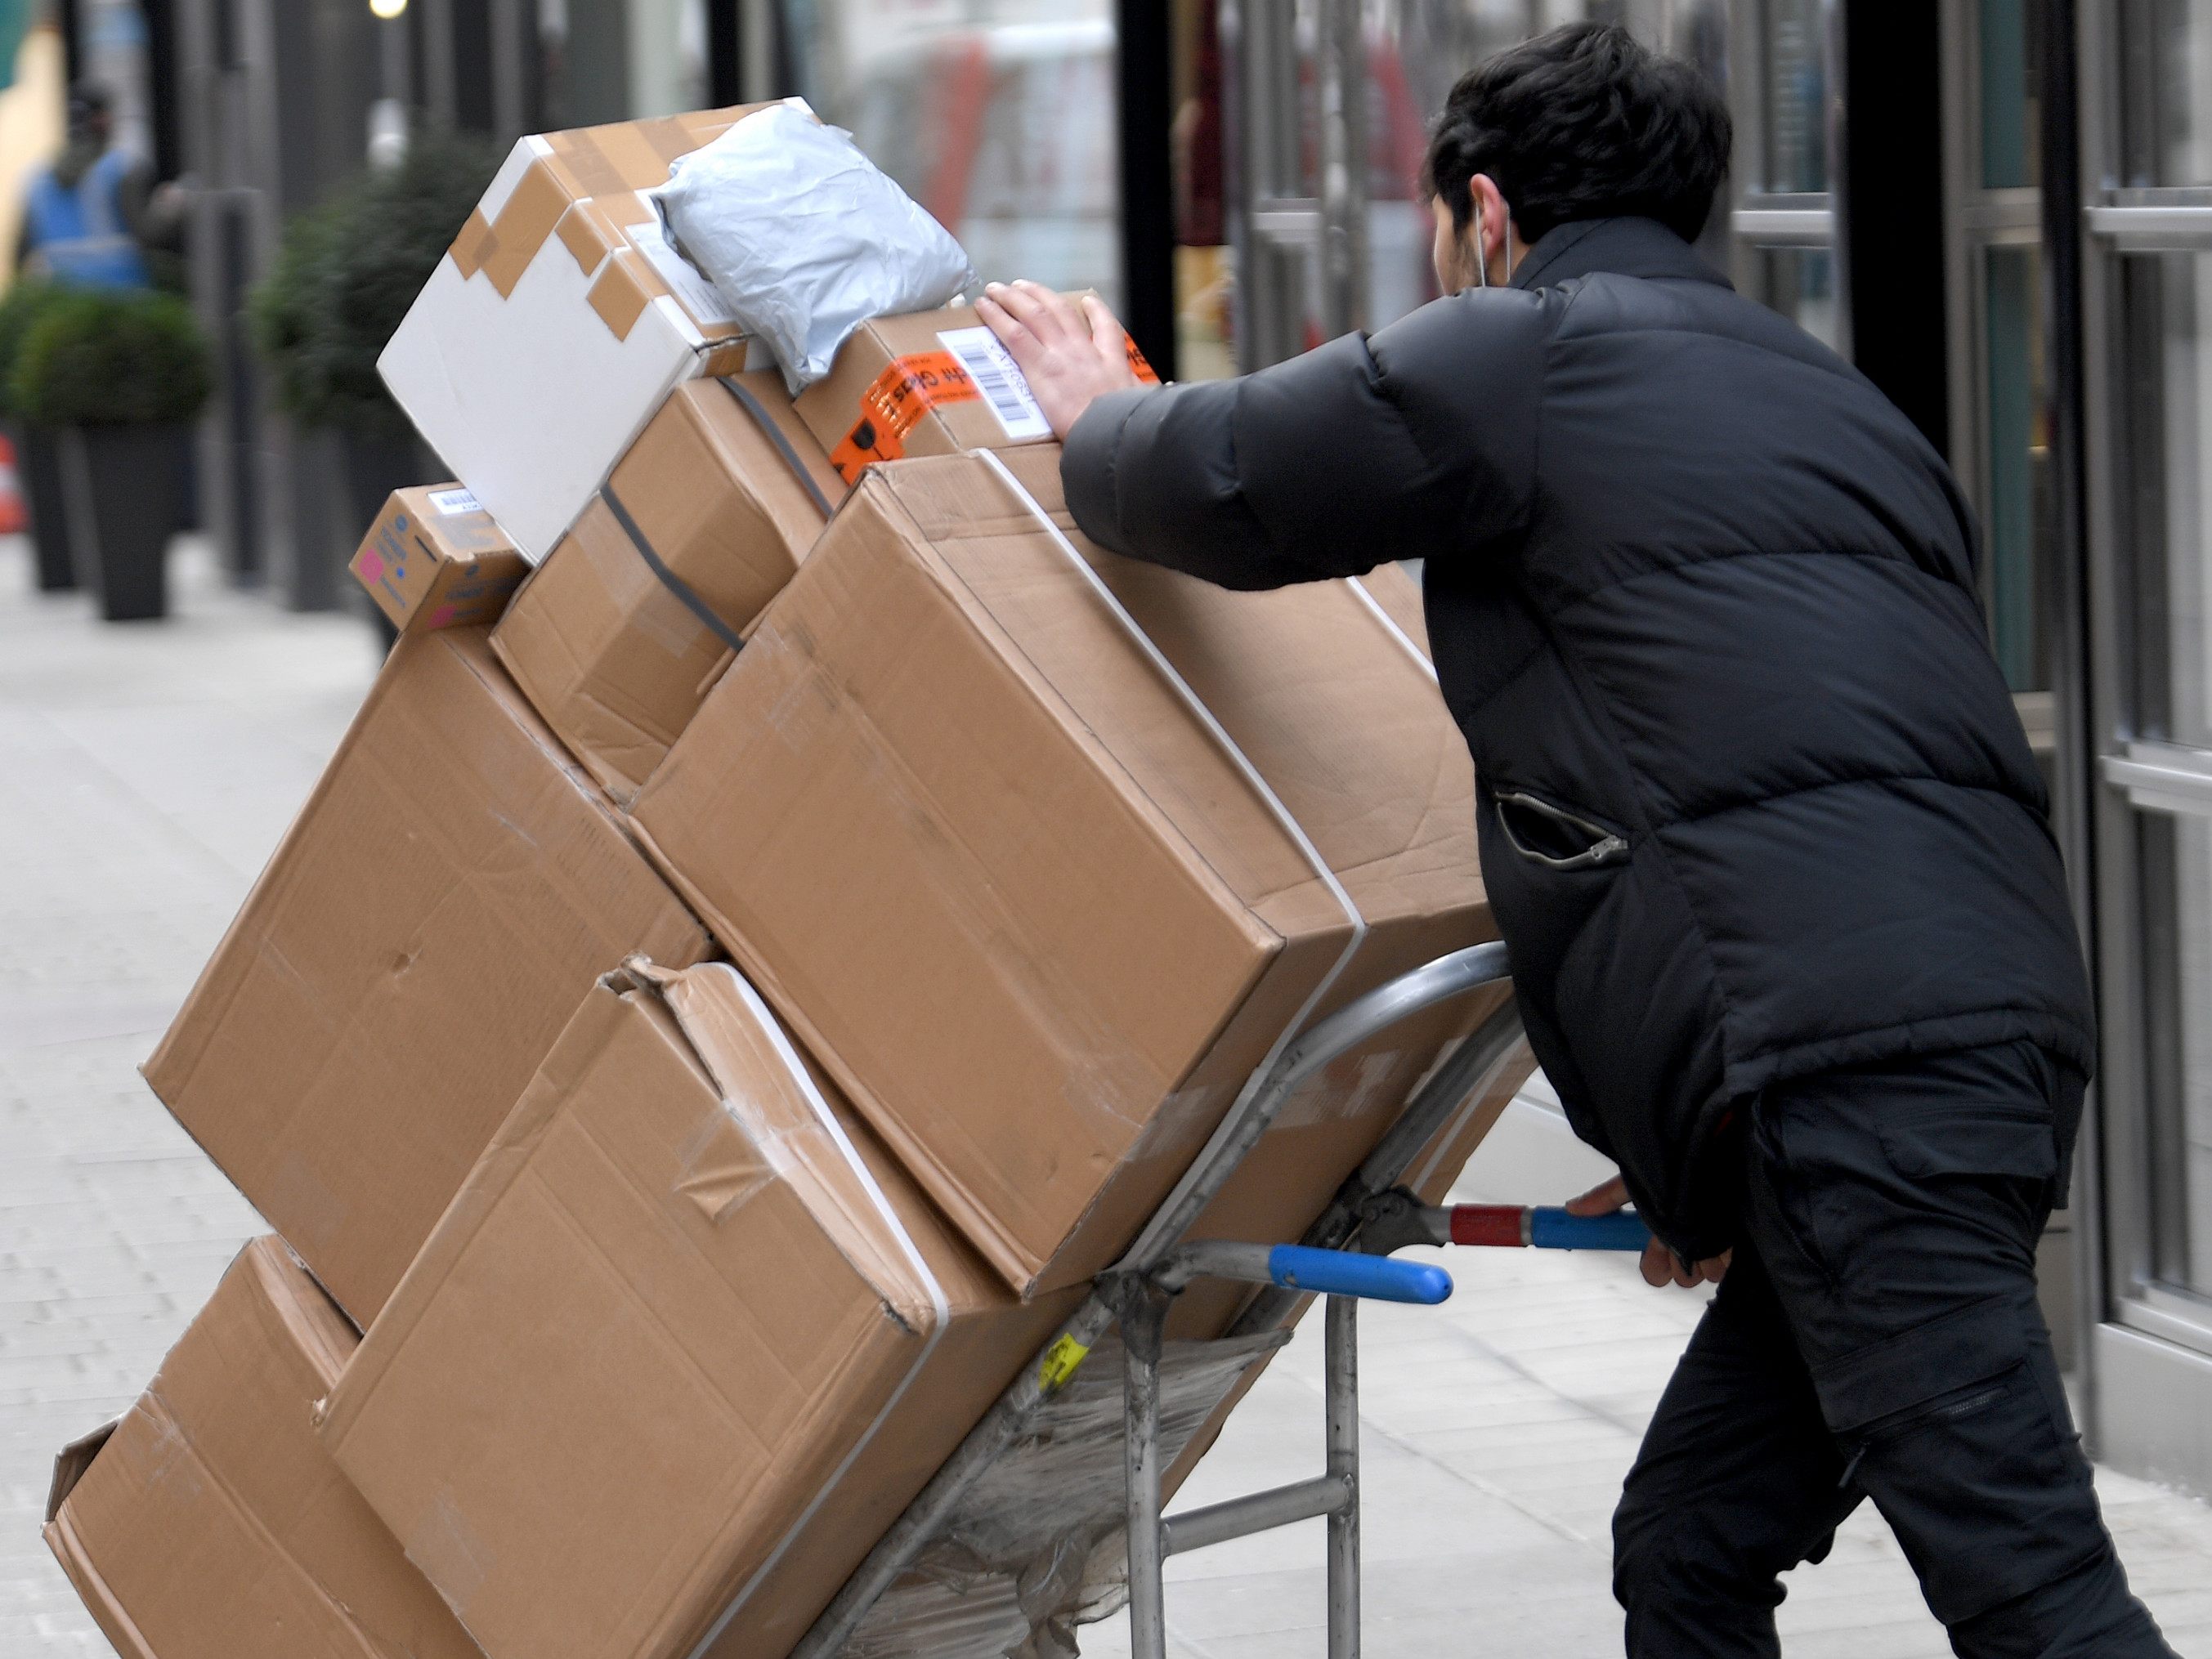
(1036, 1547)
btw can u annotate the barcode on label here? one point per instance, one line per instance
(450, 501)
(999, 380)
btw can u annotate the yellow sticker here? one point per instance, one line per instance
(1060, 1363)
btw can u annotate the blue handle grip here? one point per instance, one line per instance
(1553, 1229)
(1346, 1273)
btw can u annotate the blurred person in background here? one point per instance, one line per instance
(1759, 825)
(93, 214)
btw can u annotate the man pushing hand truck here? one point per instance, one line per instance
(1760, 826)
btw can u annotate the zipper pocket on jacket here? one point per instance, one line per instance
(1599, 845)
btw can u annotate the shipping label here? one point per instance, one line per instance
(999, 380)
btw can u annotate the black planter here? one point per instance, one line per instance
(121, 486)
(38, 472)
(374, 467)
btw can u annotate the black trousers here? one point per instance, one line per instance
(1878, 1336)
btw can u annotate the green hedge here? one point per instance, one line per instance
(347, 273)
(104, 357)
(26, 300)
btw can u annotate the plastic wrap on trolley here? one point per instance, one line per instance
(1036, 1547)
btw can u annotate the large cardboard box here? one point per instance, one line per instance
(993, 859)
(928, 383)
(687, 1342)
(435, 559)
(453, 884)
(618, 635)
(558, 321)
(209, 1523)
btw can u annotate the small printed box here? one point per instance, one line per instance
(435, 559)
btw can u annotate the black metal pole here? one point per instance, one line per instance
(69, 15)
(725, 48)
(1148, 301)
(1892, 221)
(162, 87)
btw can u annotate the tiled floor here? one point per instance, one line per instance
(145, 773)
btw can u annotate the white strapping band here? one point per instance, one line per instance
(941, 1309)
(1259, 786)
(1390, 623)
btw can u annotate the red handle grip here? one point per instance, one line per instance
(1498, 1225)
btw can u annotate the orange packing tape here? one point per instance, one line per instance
(1138, 367)
(905, 392)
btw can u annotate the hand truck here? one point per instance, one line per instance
(1343, 1255)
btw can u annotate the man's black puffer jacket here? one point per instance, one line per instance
(1754, 799)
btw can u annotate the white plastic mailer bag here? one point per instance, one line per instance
(805, 237)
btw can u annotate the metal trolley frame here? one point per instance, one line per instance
(1332, 1260)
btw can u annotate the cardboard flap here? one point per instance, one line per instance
(72, 1461)
(778, 1102)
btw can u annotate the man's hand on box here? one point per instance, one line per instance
(1070, 355)
(1660, 1265)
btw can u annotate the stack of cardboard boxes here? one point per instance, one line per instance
(787, 913)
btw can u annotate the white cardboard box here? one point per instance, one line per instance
(558, 321)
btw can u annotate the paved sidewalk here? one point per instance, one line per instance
(145, 773)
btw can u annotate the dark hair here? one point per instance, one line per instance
(1583, 123)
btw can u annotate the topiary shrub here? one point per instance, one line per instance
(26, 302)
(347, 273)
(284, 309)
(111, 358)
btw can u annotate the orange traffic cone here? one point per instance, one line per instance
(12, 520)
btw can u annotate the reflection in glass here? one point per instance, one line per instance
(2011, 34)
(2016, 514)
(1795, 76)
(2165, 112)
(2175, 865)
(2166, 300)
(1800, 282)
(997, 115)
(619, 60)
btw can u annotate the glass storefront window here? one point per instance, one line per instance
(2166, 387)
(2175, 870)
(1796, 83)
(1800, 282)
(619, 60)
(996, 115)
(2017, 515)
(2166, 120)
(2010, 33)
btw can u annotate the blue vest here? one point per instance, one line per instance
(79, 235)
